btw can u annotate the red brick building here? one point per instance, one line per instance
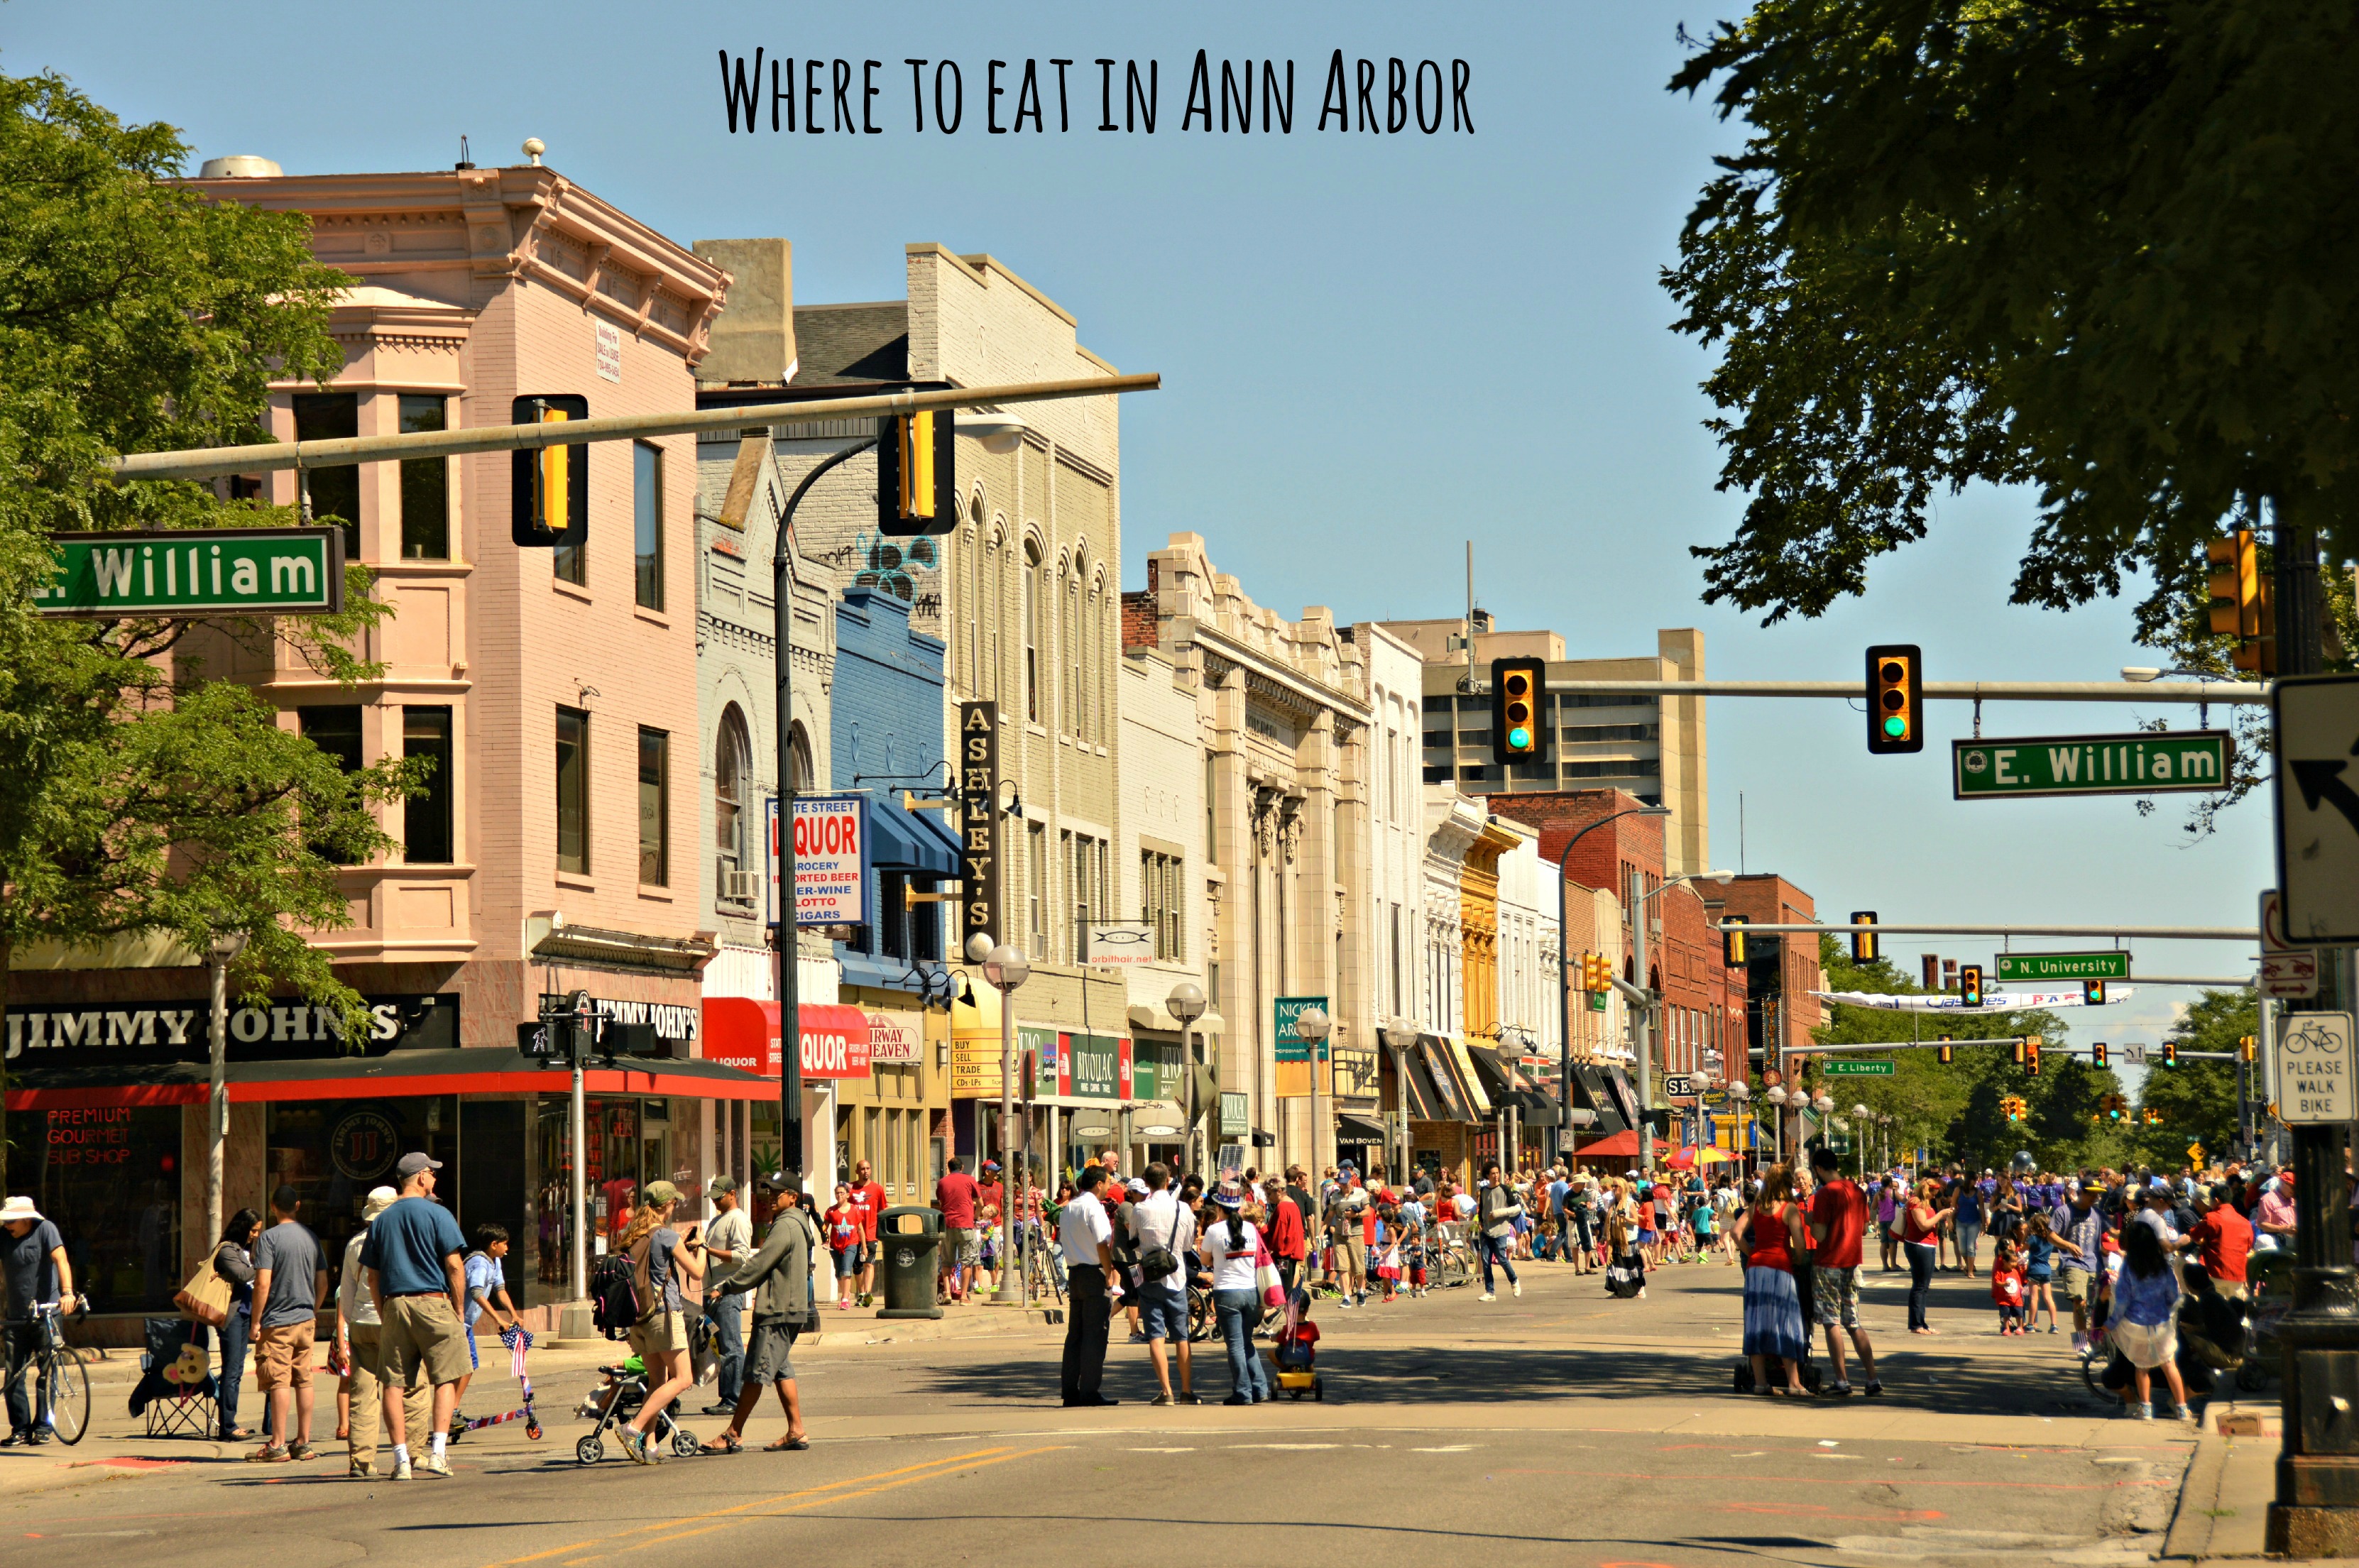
(1781, 972)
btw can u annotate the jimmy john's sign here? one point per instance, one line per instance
(65, 1034)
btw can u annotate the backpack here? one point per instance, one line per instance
(613, 1295)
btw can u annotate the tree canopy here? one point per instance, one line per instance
(143, 795)
(2099, 248)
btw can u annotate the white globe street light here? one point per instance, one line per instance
(1006, 968)
(1187, 1004)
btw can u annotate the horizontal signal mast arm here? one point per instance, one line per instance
(2161, 933)
(1960, 691)
(217, 462)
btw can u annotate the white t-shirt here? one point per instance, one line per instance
(1463, 1205)
(1159, 1219)
(1079, 1228)
(1231, 1260)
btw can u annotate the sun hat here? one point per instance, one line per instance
(20, 1208)
(379, 1199)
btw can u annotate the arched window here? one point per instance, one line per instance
(1035, 630)
(800, 754)
(1076, 719)
(732, 774)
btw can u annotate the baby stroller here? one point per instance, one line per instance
(625, 1391)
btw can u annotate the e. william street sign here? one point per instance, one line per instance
(197, 572)
(2038, 966)
(1858, 1067)
(2317, 723)
(2314, 1069)
(2149, 762)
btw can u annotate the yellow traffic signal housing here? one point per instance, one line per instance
(2031, 1057)
(549, 490)
(2014, 1049)
(2093, 993)
(1864, 949)
(1732, 939)
(1944, 1053)
(1895, 698)
(2243, 601)
(2097, 1054)
(917, 473)
(2171, 1053)
(1970, 984)
(2248, 1048)
(1520, 731)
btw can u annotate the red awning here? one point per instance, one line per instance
(398, 1074)
(743, 1033)
(1623, 1145)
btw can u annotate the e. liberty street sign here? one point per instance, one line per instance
(197, 572)
(2150, 762)
(1858, 1067)
(2038, 966)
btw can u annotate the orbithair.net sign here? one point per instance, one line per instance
(191, 572)
(2150, 762)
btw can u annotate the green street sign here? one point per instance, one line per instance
(1839, 1143)
(1292, 1047)
(1858, 1067)
(197, 572)
(2149, 762)
(2049, 967)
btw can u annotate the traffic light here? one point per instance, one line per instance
(2150, 1116)
(1597, 979)
(2031, 1057)
(1970, 984)
(1731, 940)
(2097, 1054)
(1945, 1052)
(2171, 1053)
(2243, 601)
(549, 490)
(2015, 1105)
(2093, 993)
(1863, 943)
(917, 473)
(2014, 1050)
(1895, 698)
(1518, 732)
(2249, 1047)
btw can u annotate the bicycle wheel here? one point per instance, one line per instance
(65, 1394)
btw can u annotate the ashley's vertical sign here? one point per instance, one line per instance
(979, 822)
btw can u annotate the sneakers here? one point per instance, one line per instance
(2182, 1413)
(2141, 1412)
(2080, 1343)
(1486, 1296)
(1160, 1399)
(434, 1464)
(634, 1445)
(401, 1470)
(1873, 1387)
(1236, 1398)
(1840, 1388)
(268, 1454)
(1516, 1286)
(356, 1471)
(1187, 1398)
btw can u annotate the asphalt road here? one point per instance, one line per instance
(1563, 1427)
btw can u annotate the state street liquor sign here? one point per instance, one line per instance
(832, 860)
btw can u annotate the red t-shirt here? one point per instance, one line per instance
(843, 1227)
(1841, 1207)
(868, 1197)
(2223, 1238)
(1285, 1238)
(991, 1195)
(954, 1194)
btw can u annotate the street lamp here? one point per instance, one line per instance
(1564, 965)
(1401, 1035)
(1865, 1117)
(225, 949)
(1646, 1008)
(1311, 1027)
(1186, 1003)
(1006, 968)
(1741, 1092)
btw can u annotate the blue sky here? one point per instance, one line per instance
(1374, 348)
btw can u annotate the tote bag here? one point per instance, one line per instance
(206, 1296)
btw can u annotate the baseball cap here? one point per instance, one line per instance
(719, 1185)
(411, 1164)
(1138, 1184)
(658, 1193)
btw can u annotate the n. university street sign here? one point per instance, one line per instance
(2150, 762)
(2035, 967)
(197, 572)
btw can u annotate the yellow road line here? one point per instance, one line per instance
(816, 1495)
(840, 1497)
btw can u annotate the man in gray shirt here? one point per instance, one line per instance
(291, 1280)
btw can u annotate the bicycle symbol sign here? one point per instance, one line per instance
(2314, 1068)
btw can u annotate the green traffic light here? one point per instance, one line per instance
(1895, 726)
(1520, 738)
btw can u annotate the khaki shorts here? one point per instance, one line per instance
(2076, 1283)
(282, 1356)
(1354, 1250)
(659, 1333)
(422, 1334)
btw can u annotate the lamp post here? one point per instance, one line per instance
(1186, 1003)
(1778, 1096)
(1311, 1027)
(1861, 1113)
(1647, 1009)
(1401, 1035)
(1564, 964)
(1007, 969)
(1740, 1092)
(225, 949)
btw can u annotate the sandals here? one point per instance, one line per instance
(725, 1444)
(787, 1445)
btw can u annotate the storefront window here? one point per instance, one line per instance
(108, 1177)
(332, 1152)
(629, 1145)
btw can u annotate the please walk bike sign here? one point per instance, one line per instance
(2314, 1069)
(196, 571)
(2149, 762)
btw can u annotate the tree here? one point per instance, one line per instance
(2095, 248)
(2197, 1099)
(141, 795)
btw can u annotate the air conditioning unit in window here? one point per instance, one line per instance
(736, 887)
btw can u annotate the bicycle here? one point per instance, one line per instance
(1044, 1271)
(61, 1381)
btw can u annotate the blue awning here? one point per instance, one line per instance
(904, 843)
(930, 827)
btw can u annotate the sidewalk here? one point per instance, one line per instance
(2224, 1509)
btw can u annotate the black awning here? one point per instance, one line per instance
(1425, 1103)
(1449, 1098)
(1589, 1091)
(1351, 1128)
(1498, 1078)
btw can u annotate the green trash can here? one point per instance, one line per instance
(910, 1238)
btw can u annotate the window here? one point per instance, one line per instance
(1067, 864)
(1037, 884)
(1160, 891)
(646, 521)
(1077, 717)
(655, 808)
(1033, 611)
(732, 772)
(334, 728)
(336, 492)
(425, 484)
(573, 792)
(926, 923)
(425, 819)
(1396, 1002)
(892, 914)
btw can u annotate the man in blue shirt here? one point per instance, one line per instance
(413, 1255)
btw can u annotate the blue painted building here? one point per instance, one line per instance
(885, 733)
